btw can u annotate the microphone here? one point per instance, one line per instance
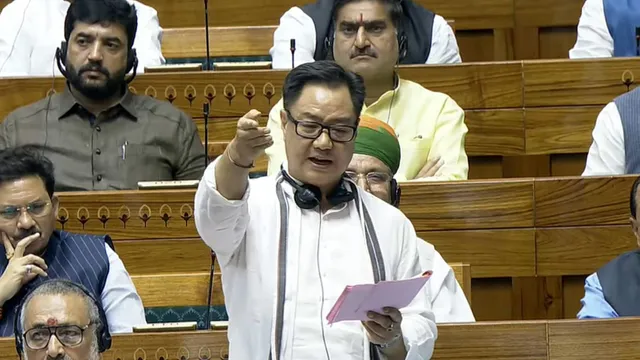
(637, 41)
(213, 265)
(293, 52)
(206, 33)
(205, 113)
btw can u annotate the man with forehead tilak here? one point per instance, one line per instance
(376, 159)
(368, 39)
(290, 243)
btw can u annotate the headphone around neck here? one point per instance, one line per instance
(309, 196)
(61, 57)
(104, 336)
(400, 34)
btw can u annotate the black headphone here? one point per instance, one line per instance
(104, 336)
(401, 36)
(132, 61)
(395, 193)
(308, 196)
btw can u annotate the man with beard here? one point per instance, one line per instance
(369, 40)
(35, 251)
(61, 320)
(100, 135)
(31, 30)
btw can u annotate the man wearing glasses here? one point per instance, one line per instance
(289, 244)
(376, 159)
(61, 320)
(35, 251)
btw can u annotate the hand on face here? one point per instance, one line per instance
(384, 329)
(21, 268)
(250, 141)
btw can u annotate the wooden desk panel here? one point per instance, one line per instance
(184, 289)
(577, 201)
(576, 82)
(492, 340)
(156, 256)
(559, 130)
(127, 215)
(491, 253)
(617, 339)
(469, 205)
(190, 42)
(580, 250)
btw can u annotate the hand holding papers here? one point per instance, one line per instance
(356, 301)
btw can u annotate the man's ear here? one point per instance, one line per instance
(634, 227)
(55, 204)
(283, 119)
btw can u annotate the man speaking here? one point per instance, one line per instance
(288, 244)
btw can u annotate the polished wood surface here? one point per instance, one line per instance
(190, 42)
(186, 289)
(528, 118)
(463, 276)
(501, 228)
(612, 339)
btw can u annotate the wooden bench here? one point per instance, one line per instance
(615, 339)
(190, 289)
(230, 41)
(530, 242)
(529, 118)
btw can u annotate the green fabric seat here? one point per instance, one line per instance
(185, 314)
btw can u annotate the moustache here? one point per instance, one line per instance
(97, 68)
(364, 52)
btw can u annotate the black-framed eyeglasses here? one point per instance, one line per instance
(311, 129)
(374, 178)
(36, 208)
(68, 335)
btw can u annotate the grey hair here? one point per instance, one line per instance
(63, 287)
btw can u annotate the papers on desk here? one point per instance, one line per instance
(356, 301)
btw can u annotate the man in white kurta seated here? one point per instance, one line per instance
(32, 30)
(288, 244)
(375, 161)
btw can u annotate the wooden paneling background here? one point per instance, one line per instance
(486, 30)
(529, 242)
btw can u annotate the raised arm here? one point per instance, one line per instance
(221, 210)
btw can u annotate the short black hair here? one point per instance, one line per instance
(25, 161)
(394, 10)
(633, 204)
(324, 72)
(102, 12)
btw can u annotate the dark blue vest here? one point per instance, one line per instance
(417, 25)
(623, 17)
(79, 258)
(620, 281)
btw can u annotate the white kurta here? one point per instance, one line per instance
(448, 301)
(325, 252)
(32, 30)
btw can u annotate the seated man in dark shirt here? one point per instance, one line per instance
(100, 135)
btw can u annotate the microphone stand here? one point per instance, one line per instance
(206, 33)
(293, 52)
(205, 113)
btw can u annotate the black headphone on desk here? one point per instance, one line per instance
(104, 336)
(401, 36)
(308, 196)
(132, 61)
